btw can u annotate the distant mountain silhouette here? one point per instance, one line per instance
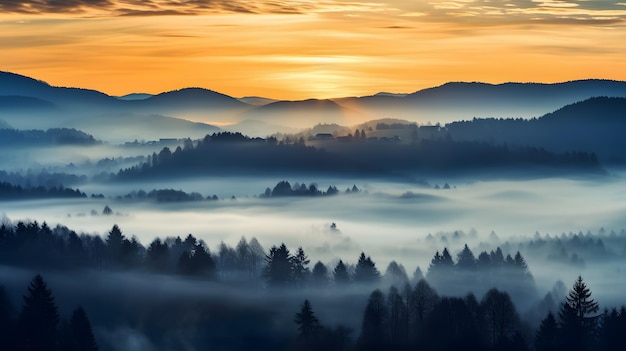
(190, 99)
(4, 125)
(140, 127)
(135, 96)
(459, 100)
(101, 114)
(16, 102)
(446, 103)
(256, 100)
(304, 112)
(15, 84)
(594, 125)
(595, 110)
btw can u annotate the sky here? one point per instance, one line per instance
(288, 49)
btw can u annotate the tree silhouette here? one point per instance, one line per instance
(395, 274)
(114, 241)
(319, 276)
(83, 334)
(39, 318)
(365, 271)
(197, 262)
(157, 256)
(374, 328)
(611, 331)
(7, 321)
(279, 263)
(340, 274)
(398, 319)
(546, 338)
(501, 318)
(308, 325)
(299, 270)
(466, 259)
(577, 324)
(421, 303)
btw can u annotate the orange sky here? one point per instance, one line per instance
(301, 49)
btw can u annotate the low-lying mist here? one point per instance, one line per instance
(389, 221)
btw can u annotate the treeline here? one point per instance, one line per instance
(283, 188)
(477, 274)
(17, 192)
(165, 195)
(39, 326)
(419, 318)
(447, 154)
(42, 178)
(233, 153)
(594, 125)
(53, 136)
(31, 245)
(421, 311)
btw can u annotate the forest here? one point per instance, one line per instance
(479, 302)
(233, 153)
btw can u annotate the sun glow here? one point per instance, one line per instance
(297, 50)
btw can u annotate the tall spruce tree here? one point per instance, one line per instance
(340, 274)
(366, 271)
(278, 270)
(577, 323)
(308, 324)
(39, 318)
(81, 329)
(546, 337)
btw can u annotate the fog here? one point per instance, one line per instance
(388, 221)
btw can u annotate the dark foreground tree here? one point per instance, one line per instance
(319, 276)
(308, 324)
(374, 334)
(366, 271)
(39, 318)
(82, 332)
(577, 322)
(502, 320)
(278, 270)
(546, 337)
(309, 328)
(340, 274)
(7, 321)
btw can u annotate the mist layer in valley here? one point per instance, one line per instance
(190, 219)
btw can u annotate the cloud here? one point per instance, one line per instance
(458, 11)
(521, 11)
(178, 7)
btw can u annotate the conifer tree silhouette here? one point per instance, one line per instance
(39, 318)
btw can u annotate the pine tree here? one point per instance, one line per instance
(81, 329)
(547, 335)
(279, 266)
(39, 318)
(7, 321)
(157, 256)
(299, 270)
(319, 275)
(395, 274)
(398, 318)
(576, 323)
(466, 259)
(366, 271)
(308, 324)
(374, 334)
(340, 274)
